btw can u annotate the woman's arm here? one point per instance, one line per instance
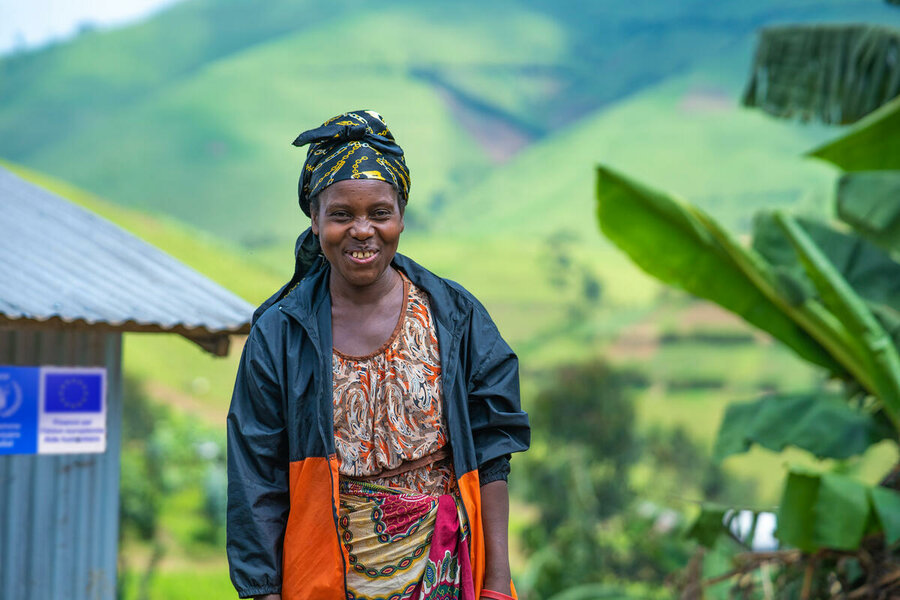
(495, 521)
(499, 427)
(258, 499)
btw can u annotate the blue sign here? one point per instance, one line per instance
(52, 410)
(19, 388)
(73, 392)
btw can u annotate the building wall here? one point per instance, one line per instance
(59, 514)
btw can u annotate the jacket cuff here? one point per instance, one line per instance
(494, 470)
(250, 592)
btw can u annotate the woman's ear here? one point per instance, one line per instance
(314, 215)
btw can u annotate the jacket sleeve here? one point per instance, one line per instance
(258, 498)
(499, 425)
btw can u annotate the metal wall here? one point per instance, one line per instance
(59, 514)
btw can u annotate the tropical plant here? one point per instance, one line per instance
(827, 291)
(827, 294)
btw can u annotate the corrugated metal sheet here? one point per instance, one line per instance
(59, 261)
(59, 514)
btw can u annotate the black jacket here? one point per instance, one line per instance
(282, 470)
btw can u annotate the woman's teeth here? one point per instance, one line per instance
(366, 254)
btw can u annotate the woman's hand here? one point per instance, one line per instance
(495, 522)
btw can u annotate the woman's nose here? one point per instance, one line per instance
(362, 229)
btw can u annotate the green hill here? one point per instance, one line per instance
(191, 113)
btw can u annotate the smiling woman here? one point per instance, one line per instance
(375, 408)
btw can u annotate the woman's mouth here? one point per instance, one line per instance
(362, 256)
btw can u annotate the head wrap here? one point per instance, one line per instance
(354, 145)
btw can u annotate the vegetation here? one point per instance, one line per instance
(601, 529)
(826, 294)
(172, 491)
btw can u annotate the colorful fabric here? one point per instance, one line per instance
(354, 145)
(388, 407)
(403, 546)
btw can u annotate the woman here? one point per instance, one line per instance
(375, 406)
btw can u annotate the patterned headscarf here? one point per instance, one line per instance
(354, 145)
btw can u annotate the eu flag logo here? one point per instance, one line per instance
(73, 392)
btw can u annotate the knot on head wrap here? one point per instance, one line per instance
(354, 145)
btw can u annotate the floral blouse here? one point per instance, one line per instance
(388, 406)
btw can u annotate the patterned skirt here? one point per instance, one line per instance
(404, 546)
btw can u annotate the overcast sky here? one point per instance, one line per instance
(31, 23)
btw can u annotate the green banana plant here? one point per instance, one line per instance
(683, 246)
(834, 73)
(869, 201)
(803, 283)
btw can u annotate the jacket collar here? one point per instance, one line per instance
(310, 303)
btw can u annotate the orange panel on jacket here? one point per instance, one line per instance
(313, 565)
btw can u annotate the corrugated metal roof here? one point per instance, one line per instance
(62, 264)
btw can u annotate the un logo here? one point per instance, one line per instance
(10, 396)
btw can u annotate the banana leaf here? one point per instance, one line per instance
(869, 201)
(886, 504)
(831, 73)
(873, 144)
(818, 321)
(870, 344)
(820, 423)
(828, 510)
(870, 271)
(669, 241)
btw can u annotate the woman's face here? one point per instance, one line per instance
(359, 224)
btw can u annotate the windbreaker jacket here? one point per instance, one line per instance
(282, 468)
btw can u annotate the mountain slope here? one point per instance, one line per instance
(688, 136)
(192, 112)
